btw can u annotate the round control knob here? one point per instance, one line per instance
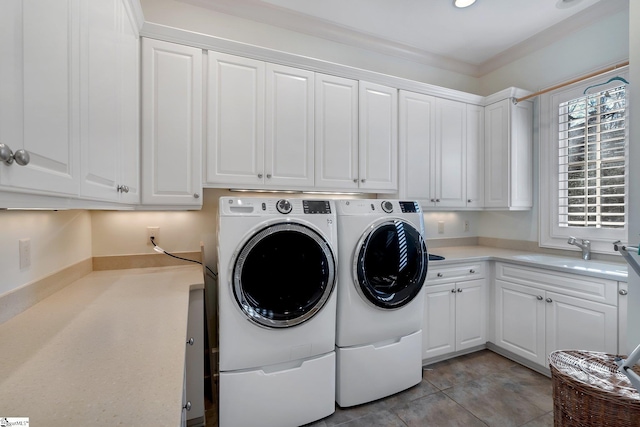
(387, 206)
(284, 206)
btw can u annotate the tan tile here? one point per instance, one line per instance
(436, 410)
(544, 421)
(465, 368)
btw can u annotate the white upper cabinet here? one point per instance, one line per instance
(509, 155)
(39, 91)
(450, 153)
(416, 146)
(234, 152)
(289, 118)
(475, 156)
(336, 133)
(109, 102)
(171, 124)
(378, 131)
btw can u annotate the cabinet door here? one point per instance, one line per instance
(438, 328)
(172, 124)
(234, 152)
(378, 124)
(574, 323)
(521, 152)
(450, 154)
(496, 163)
(416, 147)
(471, 314)
(109, 102)
(475, 156)
(38, 94)
(336, 133)
(520, 320)
(289, 127)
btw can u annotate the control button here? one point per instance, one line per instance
(387, 206)
(264, 206)
(284, 206)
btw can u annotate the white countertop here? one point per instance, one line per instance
(594, 268)
(109, 349)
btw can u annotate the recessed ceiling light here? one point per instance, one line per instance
(464, 3)
(564, 4)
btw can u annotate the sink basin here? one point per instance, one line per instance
(575, 264)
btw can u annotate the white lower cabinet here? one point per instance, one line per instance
(193, 392)
(539, 311)
(455, 310)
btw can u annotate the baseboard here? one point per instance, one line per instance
(20, 299)
(432, 360)
(123, 262)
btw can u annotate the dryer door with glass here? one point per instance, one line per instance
(283, 274)
(390, 264)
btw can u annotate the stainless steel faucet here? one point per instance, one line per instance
(583, 244)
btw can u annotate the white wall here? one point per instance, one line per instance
(633, 318)
(58, 240)
(186, 16)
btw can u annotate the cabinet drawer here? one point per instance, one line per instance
(451, 273)
(589, 288)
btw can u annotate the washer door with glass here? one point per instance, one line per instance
(283, 275)
(390, 264)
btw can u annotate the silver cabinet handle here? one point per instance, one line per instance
(469, 200)
(539, 297)
(7, 156)
(459, 290)
(433, 200)
(187, 406)
(268, 176)
(437, 200)
(549, 300)
(196, 195)
(472, 271)
(260, 175)
(453, 291)
(126, 189)
(440, 275)
(623, 292)
(191, 341)
(355, 180)
(363, 180)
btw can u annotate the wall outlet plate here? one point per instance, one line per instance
(25, 253)
(153, 232)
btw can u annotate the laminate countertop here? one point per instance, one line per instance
(594, 268)
(108, 349)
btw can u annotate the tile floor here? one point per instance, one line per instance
(479, 389)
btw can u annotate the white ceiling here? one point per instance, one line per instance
(472, 40)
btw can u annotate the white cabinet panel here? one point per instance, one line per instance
(172, 124)
(289, 127)
(475, 156)
(378, 130)
(416, 146)
(439, 324)
(39, 88)
(471, 314)
(336, 133)
(109, 103)
(235, 120)
(450, 154)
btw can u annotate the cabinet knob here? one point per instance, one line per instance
(7, 156)
(539, 297)
(453, 291)
(260, 175)
(622, 292)
(459, 290)
(191, 341)
(126, 189)
(437, 200)
(196, 195)
(363, 180)
(469, 200)
(355, 180)
(472, 271)
(440, 275)
(549, 300)
(433, 200)
(187, 406)
(268, 176)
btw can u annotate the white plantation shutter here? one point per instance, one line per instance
(591, 160)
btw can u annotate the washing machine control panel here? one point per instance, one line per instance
(284, 206)
(316, 206)
(409, 207)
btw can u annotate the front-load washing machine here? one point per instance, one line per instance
(382, 267)
(276, 311)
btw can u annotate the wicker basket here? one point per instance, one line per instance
(588, 390)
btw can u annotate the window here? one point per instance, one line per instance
(583, 156)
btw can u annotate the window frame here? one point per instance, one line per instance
(551, 235)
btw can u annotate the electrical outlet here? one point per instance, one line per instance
(153, 232)
(440, 227)
(465, 225)
(25, 253)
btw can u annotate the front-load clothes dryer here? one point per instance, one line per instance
(276, 311)
(382, 267)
